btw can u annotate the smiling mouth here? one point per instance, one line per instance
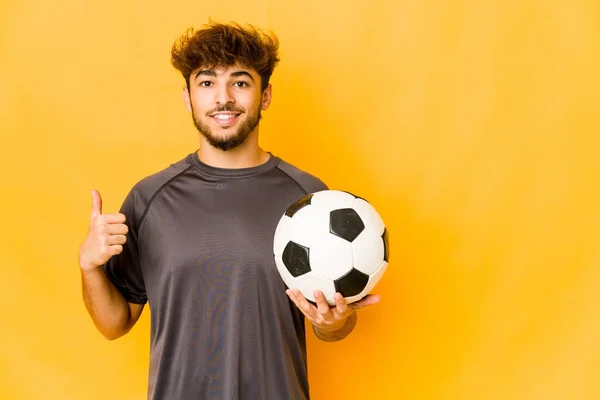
(225, 119)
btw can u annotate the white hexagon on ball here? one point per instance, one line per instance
(329, 200)
(368, 251)
(309, 224)
(331, 257)
(310, 282)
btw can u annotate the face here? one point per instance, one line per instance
(226, 104)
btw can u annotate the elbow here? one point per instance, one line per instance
(115, 333)
(111, 335)
(113, 327)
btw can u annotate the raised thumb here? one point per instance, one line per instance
(96, 204)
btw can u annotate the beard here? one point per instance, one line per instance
(234, 139)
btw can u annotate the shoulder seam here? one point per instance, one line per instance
(156, 193)
(292, 178)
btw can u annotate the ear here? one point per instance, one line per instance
(186, 99)
(266, 97)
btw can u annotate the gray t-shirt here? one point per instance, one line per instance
(200, 252)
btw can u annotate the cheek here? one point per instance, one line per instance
(253, 103)
(199, 107)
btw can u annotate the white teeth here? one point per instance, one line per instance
(224, 116)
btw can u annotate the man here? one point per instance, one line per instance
(195, 241)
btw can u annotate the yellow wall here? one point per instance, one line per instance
(472, 126)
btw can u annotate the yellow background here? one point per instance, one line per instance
(471, 125)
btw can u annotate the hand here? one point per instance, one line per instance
(105, 238)
(324, 317)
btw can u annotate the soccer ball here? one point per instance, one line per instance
(331, 241)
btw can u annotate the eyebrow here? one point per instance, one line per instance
(206, 72)
(209, 72)
(242, 73)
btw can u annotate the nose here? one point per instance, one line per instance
(225, 95)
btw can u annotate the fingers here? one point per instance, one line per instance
(303, 303)
(322, 305)
(114, 229)
(368, 300)
(340, 303)
(110, 219)
(106, 236)
(96, 204)
(115, 239)
(296, 296)
(96, 215)
(112, 234)
(115, 249)
(292, 297)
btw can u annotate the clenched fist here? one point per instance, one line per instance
(105, 238)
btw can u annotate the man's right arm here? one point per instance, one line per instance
(111, 313)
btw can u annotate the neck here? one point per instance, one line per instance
(246, 155)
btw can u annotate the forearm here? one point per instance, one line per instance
(338, 334)
(107, 307)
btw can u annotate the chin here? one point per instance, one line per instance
(227, 138)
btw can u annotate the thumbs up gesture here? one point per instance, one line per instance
(106, 236)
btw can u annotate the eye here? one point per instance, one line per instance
(241, 84)
(205, 83)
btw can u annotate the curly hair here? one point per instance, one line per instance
(223, 45)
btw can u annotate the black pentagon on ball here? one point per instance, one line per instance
(386, 245)
(345, 223)
(352, 283)
(295, 259)
(299, 204)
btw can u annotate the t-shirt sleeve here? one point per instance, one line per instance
(124, 269)
(309, 183)
(319, 185)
